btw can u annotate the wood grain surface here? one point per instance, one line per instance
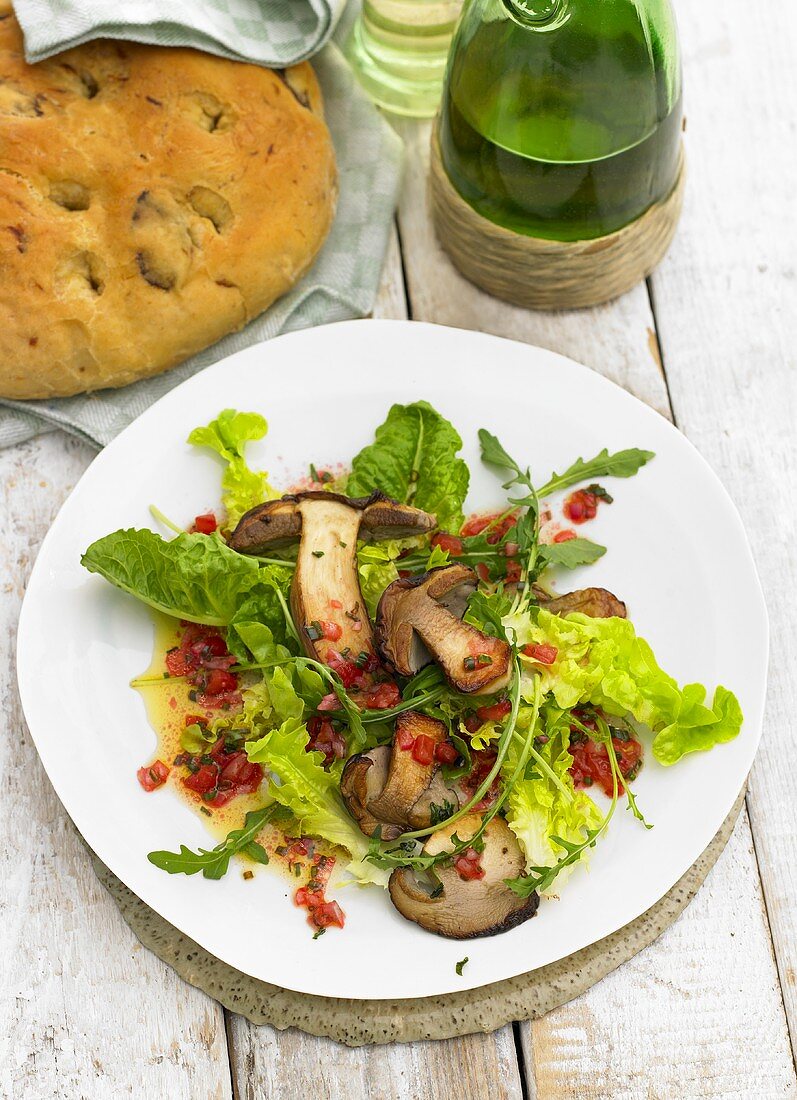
(710, 1010)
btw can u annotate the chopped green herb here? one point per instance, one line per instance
(313, 630)
(318, 553)
(469, 663)
(461, 965)
(319, 933)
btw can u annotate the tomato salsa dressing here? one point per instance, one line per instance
(213, 775)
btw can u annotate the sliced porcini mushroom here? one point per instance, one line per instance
(419, 620)
(597, 603)
(407, 779)
(464, 909)
(326, 601)
(437, 802)
(389, 790)
(364, 778)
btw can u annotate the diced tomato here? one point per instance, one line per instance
(244, 775)
(382, 696)
(195, 720)
(203, 780)
(513, 572)
(326, 739)
(336, 604)
(423, 749)
(591, 763)
(328, 915)
(205, 524)
(448, 542)
(153, 776)
(494, 713)
(581, 506)
(178, 663)
(329, 702)
(545, 654)
(476, 524)
(446, 753)
(216, 681)
(468, 866)
(473, 723)
(565, 536)
(405, 740)
(348, 672)
(482, 571)
(331, 631)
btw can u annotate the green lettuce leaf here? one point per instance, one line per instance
(414, 459)
(603, 662)
(377, 569)
(194, 577)
(538, 809)
(300, 783)
(228, 435)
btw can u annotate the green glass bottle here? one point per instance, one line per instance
(561, 119)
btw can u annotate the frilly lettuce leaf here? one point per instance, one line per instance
(537, 809)
(300, 783)
(228, 435)
(377, 569)
(603, 662)
(414, 459)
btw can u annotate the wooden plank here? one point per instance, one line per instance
(726, 301)
(267, 1063)
(620, 341)
(85, 1011)
(698, 1014)
(285, 1066)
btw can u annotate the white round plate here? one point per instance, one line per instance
(678, 556)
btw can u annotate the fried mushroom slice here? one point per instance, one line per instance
(419, 620)
(364, 778)
(597, 603)
(407, 778)
(467, 909)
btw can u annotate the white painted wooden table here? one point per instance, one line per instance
(711, 1009)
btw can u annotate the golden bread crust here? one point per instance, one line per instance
(151, 201)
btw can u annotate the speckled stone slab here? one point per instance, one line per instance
(357, 1023)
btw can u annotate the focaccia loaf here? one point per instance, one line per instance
(151, 201)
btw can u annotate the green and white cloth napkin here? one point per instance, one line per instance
(343, 281)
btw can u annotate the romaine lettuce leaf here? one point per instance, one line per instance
(603, 662)
(228, 435)
(414, 459)
(194, 577)
(300, 783)
(538, 809)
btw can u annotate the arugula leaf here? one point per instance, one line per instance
(193, 577)
(414, 459)
(215, 863)
(570, 554)
(228, 435)
(620, 464)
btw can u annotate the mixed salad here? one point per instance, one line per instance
(359, 683)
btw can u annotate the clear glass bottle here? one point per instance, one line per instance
(561, 119)
(398, 49)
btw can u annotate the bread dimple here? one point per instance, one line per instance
(151, 201)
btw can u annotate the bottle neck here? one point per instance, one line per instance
(538, 14)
